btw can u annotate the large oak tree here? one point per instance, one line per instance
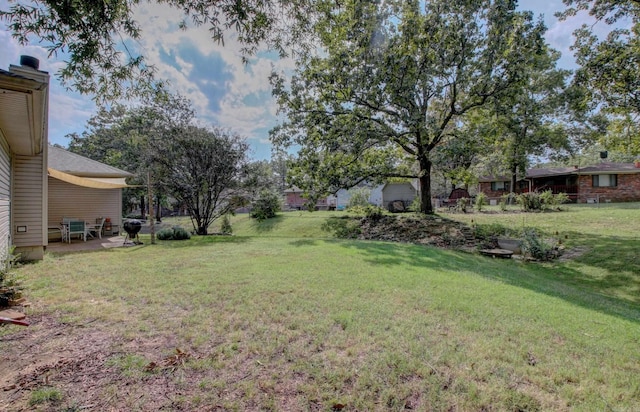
(397, 76)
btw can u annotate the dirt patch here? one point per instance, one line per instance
(76, 361)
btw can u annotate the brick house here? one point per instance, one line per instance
(295, 200)
(604, 182)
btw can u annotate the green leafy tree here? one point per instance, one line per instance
(397, 75)
(266, 206)
(95, 35)
(609, 67)
(205, 170)
(123, 136)
(529, 116)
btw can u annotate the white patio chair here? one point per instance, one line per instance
(97, 229)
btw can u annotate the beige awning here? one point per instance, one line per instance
(93, 182)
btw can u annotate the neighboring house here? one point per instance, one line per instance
(381, 195)
(610, 182)
(343, 196)
(494, 186)
(24, 97)
(84, 189)
(294, 199)
(404, 191)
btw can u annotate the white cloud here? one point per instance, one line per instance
(238, 95)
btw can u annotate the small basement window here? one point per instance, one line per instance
(605, 180)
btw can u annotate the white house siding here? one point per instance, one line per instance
(67, 200)
(29, 205)
(5, 199)
(398, 191)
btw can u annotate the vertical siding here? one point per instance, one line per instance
(398, 191)
(5, 199)
(67, 200)
(28, 200)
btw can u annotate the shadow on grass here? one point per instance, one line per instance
(557, 279)
(267, 225)
(202, 241)
(304, 242)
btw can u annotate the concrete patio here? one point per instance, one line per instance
(78, 245)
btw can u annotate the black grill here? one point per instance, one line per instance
(132, 227)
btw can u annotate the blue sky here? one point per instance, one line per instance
(224, 91)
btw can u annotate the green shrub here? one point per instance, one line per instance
(180, 233)
(536, 247)
(546, 200)
(266, 206)
(342, 227)
(175, 233)
(489, 231)
(225, 225)
(481, 201)
(529, 201)
(561, 198)
(165, 234)
(10, 286)
(370, 211)
(416, 205)
(462, 204)
(359, 197)
(506, 199)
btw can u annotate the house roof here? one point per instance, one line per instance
(412, 183)
(76, 165)
(600, 168)
(554, 171)
(293, 189)
(501, 178)
(605, 167)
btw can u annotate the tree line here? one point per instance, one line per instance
(384, 89)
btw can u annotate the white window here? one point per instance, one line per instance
(605, 180)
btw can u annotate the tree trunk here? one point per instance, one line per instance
(142, 207)
(425, 186)
(158, 210)
(514, 177)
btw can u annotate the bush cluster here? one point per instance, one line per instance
(481, 201)
(534, 201)
(536, 247)
(342, 227)
(370, 211)
(266, 206)
(175, 233)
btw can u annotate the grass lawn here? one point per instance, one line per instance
(280, 317)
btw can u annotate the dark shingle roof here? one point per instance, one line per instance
(610, 168)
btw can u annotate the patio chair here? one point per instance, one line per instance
(97, 229)
(65, 228)
(77, 227)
